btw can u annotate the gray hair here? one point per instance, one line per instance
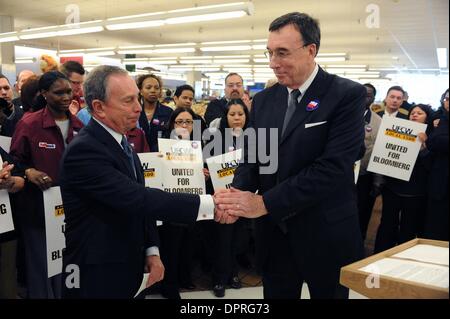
(95, 86)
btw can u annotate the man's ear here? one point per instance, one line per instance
(313, 49)
(98, 108)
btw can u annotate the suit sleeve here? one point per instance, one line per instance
(246, 175)
(93, 171)
(332, 169)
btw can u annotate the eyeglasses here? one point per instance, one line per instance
(282, 53)
(446, 98)
(181, 122)
(232, 85)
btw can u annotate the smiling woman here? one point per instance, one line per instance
(38, 144)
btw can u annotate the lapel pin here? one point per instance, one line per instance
(313, 105)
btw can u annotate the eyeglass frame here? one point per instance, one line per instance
(270, 55)
(187, 122)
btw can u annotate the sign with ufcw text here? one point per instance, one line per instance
(222, 167)
(153, 172)
(6, 221)
(182, 163)
(396, 148)
(54, 229)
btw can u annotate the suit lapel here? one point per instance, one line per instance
(280, 100)
(103, 136)
(315, 92)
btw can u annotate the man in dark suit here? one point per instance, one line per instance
(393, 103)
(234, 89)
(308, 226)
(110, 215)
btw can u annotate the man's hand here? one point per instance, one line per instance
(74, 107)
(240, 204)
(40, 179)
(221, 216)
(155, 267)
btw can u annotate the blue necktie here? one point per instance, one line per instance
(129, 153)
(292, 105)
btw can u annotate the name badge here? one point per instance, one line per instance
(47, 145)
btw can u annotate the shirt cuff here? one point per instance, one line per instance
(152, 251)
(206, 209)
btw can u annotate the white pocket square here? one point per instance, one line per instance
(308, 125)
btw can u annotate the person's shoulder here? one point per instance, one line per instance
(347, 84)
(165, 109)
(267, 92)
(215, 102)
(403, 111)
(377, 109)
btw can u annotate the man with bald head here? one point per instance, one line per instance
(22, 77)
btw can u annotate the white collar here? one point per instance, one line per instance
(308, 82)
(117, 136)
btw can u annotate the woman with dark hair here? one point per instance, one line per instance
(38, 144)
(229, 240)
(404, 203)
(154, 115)
(177, 240)
(436, 225)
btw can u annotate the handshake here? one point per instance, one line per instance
(230, 204)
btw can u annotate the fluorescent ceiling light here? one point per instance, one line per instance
(134, 25)
(231, 61)
(62, 30)
(25, 60)
(347, 66)
(226, 48)
(154, 19)
(226, 42)
(442, 57)
(331, 59)
(265, 60)
(343, 70)
(259, 47)
(9, 37)
(331, 54)
(196, 61)
(175, 50)
(174, 45)
(196, 14)
(101, 53)
(206, 17)
(168, 58)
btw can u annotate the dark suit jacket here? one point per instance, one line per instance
(110, 217)
(215, 109)
(311, 196)
(437, 144)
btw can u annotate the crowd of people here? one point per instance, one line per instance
(52, 109)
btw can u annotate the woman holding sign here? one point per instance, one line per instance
(229, 239)
(405, 203)
(177, 240)
(38, 144)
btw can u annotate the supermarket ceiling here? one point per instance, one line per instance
(394, 34)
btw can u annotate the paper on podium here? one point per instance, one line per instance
(143, 284)
(426, 253)
(410, 270)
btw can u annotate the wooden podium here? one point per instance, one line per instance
(378, 285)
